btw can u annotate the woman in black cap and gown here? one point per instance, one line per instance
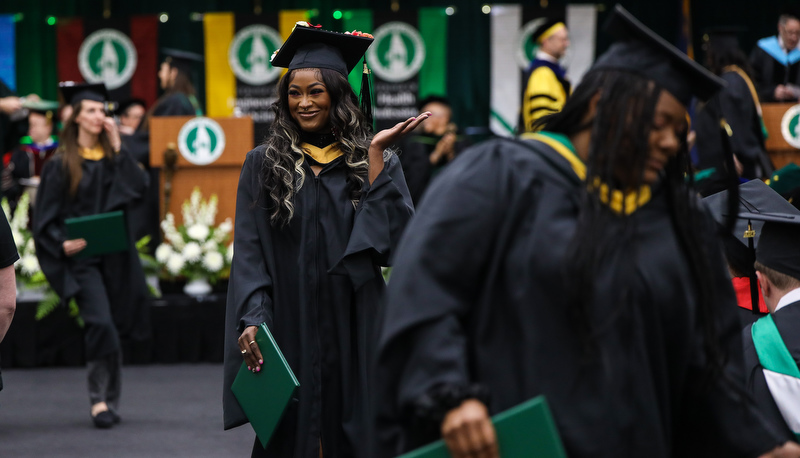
(737, 103)
(90, 174)
(319, 209)
(174, 75)
(575, 264)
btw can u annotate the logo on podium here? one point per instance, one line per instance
(790, 126)
(107, 56)
(249, 54)
(397, 53)
(201, 141)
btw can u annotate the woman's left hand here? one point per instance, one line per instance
(113, 133)
(387, 138)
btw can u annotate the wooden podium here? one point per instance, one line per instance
(780, 152)
(221, 177)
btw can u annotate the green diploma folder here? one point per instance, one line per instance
(265, 395)
(526, 430)
(104, 233)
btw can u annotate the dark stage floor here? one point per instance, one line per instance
(167, 411)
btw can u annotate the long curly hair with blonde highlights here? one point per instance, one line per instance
(282, 174)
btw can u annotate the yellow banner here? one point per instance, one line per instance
(218, 30)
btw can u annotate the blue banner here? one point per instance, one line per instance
(8, 66)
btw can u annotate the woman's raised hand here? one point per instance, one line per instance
(113, 133)
(388, 137)
(249, 348)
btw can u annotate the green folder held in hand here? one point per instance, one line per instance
(265, 395)
(104, 233)
(524, 431)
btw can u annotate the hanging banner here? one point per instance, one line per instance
(8, 60)
(515, 51)
(121, 53)
(239, 78)
(408, 59)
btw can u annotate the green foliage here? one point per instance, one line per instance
(47, 305)
(51, 302)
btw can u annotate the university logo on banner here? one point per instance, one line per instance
(240, 80)
(397, 53)
(122, 53)
(201, 141)
(249, 54)
(408, 59)
(107, 56)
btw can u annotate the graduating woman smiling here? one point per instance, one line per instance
(320, 207)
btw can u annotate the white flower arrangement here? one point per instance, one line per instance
(27, 268)
(197, 249)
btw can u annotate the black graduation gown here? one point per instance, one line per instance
(415, 157)
(317, 284)
(175, 104)
(787, 320)
(737, 107)
(107, 185)
(145, 214)
(476, 299)
(769, 73)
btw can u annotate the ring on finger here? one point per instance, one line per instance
(252, 342)
(244, 351)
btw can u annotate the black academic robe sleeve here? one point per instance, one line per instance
(763, 66)
(253, 282)
(130, 183)
(448, 278)
(176, 104)
(383, 211)
(49, 232)
(414, 156)
(740, 112)
(250, 287)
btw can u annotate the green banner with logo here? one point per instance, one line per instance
(408, 59)
(240, 81)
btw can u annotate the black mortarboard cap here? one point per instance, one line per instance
(723, 37)
(545, 27)
(43, 107)
(760, 208)
(75, 92)
(310, 47)
(129, 103)
(639, 50)
(182, 60)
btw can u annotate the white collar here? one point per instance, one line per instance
(787, 51)
(544, 56)
(788, 298)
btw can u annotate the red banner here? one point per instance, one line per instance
(122, 53)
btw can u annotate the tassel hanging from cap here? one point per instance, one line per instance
(366, 96)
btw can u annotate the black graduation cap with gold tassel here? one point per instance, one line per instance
(312, 47)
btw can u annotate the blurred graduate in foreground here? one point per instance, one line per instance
(575, 264)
